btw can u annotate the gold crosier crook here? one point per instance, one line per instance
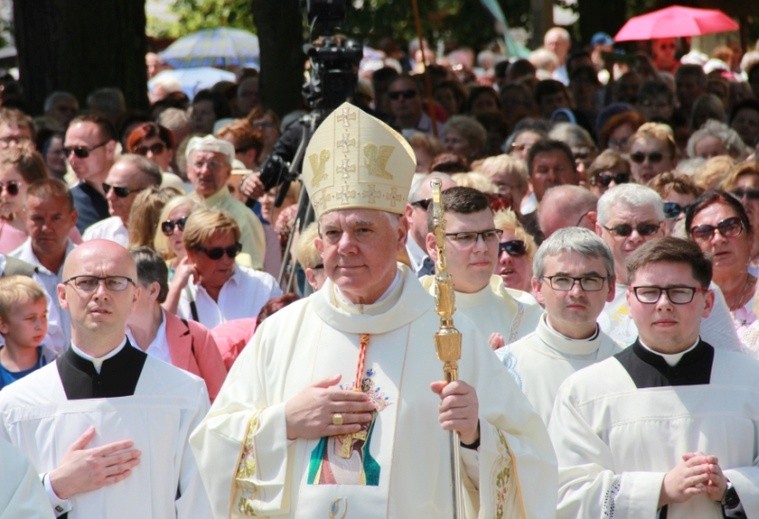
(447, 337)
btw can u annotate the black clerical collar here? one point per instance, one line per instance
(118, 375)
(647, 369)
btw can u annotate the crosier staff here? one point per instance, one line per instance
(447, 337)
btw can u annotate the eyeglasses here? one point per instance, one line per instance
(154, 149)
(564, 283)
(121, 192)
(91, 283)
(82, 152)
(728, 228)
(604, 179)
(513, 248)
(212, 165)
(167, 226)
(218, 252)
(468, 239)
(625, 229)
(654, 157)
(676, 295)
(422, 204)
(499, 202)
(672, 210)
(751, 194)
(11, 187)
(405, 94)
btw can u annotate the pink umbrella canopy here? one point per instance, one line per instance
(674, 22)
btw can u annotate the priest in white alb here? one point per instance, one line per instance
(336, 408)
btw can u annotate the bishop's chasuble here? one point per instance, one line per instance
(620, 425)
(400, 466)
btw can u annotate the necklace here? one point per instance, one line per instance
(745, 294)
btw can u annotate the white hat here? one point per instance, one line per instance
(211, 143)
(355, 160)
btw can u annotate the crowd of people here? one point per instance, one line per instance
(600, 211)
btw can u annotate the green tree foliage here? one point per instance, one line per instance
(194, 15)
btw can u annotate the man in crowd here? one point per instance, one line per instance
(107, 425)
(89, 145)
(407, 109)
(558, 41)
(336, 408)
(628, 216)
(416, 214)
(209, 165)
(472, 247)
(61, 107)
(567, 206)
(573, 279)
(15, 127)
(129, 175)
(645, 433)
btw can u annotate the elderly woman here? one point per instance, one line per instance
(652, 150)
(579, 141)
(465, 135)
(609, 169)
(185, 344)
(743, 183)
(509, 176)
(715, 138)
(215, 289)
(719, 224)
(515, 252)
(678, 192)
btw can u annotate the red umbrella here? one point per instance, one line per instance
(675, 21)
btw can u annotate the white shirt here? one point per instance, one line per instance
(242, 295)
(159, 346)
(109, 229)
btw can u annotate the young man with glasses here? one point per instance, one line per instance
(128, 176)
(628, 216)
(669, 426)
(89, 146)
(573, 279)
(81, 449)
(472, 247)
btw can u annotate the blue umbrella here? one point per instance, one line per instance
(193, 79)
(221, 47)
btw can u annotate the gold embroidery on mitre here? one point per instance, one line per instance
(376, 158)
(319, 165)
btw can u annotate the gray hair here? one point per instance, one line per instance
(633, 196)
(151, 268)
(721, 131)
(573, 239)
(149, 169)
(573, 135)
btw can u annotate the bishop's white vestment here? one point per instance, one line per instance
(401, 468)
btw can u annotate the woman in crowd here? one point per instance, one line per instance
(145, 214)
(425, 147)
(267, 122)
(482, 100)
(652, 150)
(215, 289)
(451, 95)
(579, 141)
(617, 131)
(154, 142)
(743, 183)
(509, 176)
(466, 136)
(170, 230)
(183, 343)
(719, 224)
(52, 152)
(515, 252)
(716, 138)
(609, 169)
(678, 192)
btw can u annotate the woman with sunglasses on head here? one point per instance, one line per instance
(720, 226)
(169, 233)
(678, 192)
(515, 252)
(19, 167)
(218, 289)
(609, 169)
(652, 150)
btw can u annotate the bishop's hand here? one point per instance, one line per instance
(459, 409)
(324, 410)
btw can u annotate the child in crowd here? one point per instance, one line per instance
(23, 325)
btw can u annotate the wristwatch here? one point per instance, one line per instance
(730, 500)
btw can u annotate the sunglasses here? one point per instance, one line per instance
(728, 228)
(604, 179)
(218, 252)
(167, 226)
(513, 248)
(405, 94)
(121, 192)
(82, 152)
(654, 157)
(155, 149)
(672, 210)
(751, 194)
(422, 204)
(625, 229)
(11, 187)
(499, 202)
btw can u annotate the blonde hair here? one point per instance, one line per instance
(305, 251)
(740, 170)
(476, 181)
(203, 224)
(656, 131)
(514, 168)
(144, 215)
(16, 290)
(714, 171)
(160, 241)
(506, 220)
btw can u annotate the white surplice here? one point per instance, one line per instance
(250, 468)
(21, 493)
(167, 404)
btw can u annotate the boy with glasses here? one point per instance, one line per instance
(668, 427)
(573, 279)
(472, 248)
(628, 216)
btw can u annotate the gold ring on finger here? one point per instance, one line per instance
(337, 419)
